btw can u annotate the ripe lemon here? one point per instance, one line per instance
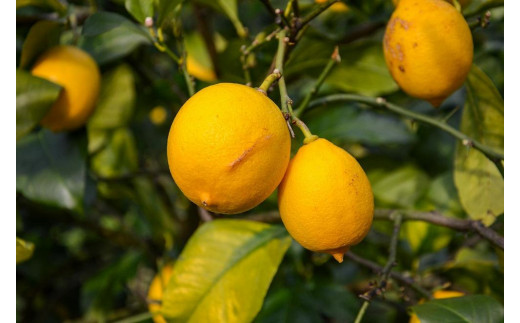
(463, 3)
(158, 115)
(437, 295)
(336, 7)
(199, 71)
(228, 148)
(325, 199)
(428, 49)
(155, 292)
(78, 74)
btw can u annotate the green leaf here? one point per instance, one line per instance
(24, 250)
(50, 168)
(224, 271)
(474, 309)
(230, 9)
(119, 156)
(401, 187)
(52, 4)
(43, 35)
(196, 48)
(479, 183)
(362, 70)
(109, 41)
(101, 22)
(140, 9)
(34, 97)
(165, 10)
(116, 100)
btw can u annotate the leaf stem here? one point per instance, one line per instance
(334, 59)
(491, 153)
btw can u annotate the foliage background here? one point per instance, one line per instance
(103, 213)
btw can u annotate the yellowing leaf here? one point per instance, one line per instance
(24, 250)
(479, 183)
(224, 272)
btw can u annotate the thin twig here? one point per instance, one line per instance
(488, 5)
(280, 56)
(463, 225)
(316, 12)
(385, 273)
(490, 152)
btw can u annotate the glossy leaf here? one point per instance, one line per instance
(112, 40)
(224, 272)
(479, 183)
(24, 250)
(101, 22)
(230, 9)
(116, 100)
(43, 35)
(140, 9)
(34, 97)
(50, 168)
(474, 309)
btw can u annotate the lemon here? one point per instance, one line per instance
(199, 71)
(463, 3)
(437, 295)
(228, 148)
(336, 7)
(155, 292)
(158, 115)
(78, 74)
(325, 199)
(428, 49)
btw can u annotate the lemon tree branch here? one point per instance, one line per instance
(491, 153)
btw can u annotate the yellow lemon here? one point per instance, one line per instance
(158, 115)
(325, 199)
(337, 7)
(228, 148)
(198, 71)
(463, 3)
(155, 292)
(428, 49)
(78, 74)
(437, 295)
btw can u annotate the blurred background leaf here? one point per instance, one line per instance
(24, 250)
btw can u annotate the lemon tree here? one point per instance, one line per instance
(260, 161)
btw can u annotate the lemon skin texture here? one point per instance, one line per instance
(428, 49)
(325, 199)
(198, 71)
(155, 292)
(228, 148)
(437, 295)
(78, 74)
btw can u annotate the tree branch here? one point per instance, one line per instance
(490, 152)
(463, 225)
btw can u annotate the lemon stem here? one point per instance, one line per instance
(309, 137)
(269, 80)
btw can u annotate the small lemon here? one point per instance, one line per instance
(155, 292)
(228, 148)
(78, 74)
(158, 115)
(437, 295)
(325, 199)
(336, 7)
(428, 49)
(199, 71)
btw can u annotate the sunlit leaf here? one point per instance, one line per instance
(24, 250)
(34, 97)
(224, 272)
(478, 181)
(474, 309)
(50, 168)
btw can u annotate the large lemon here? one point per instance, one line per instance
(428, 49)
(155, 292)
(325, 199)
(228, 148)
(78, 74)
(439, 294)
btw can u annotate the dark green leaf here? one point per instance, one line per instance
(116, 100)
(470, 309)
(101, 22)
(43, 35)
(50, 168)
(478, 181)
(165, 10)
(224, 271)
(24, 250)
(52, 4)
(140, 9)
(118, 157)
(34, 97)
